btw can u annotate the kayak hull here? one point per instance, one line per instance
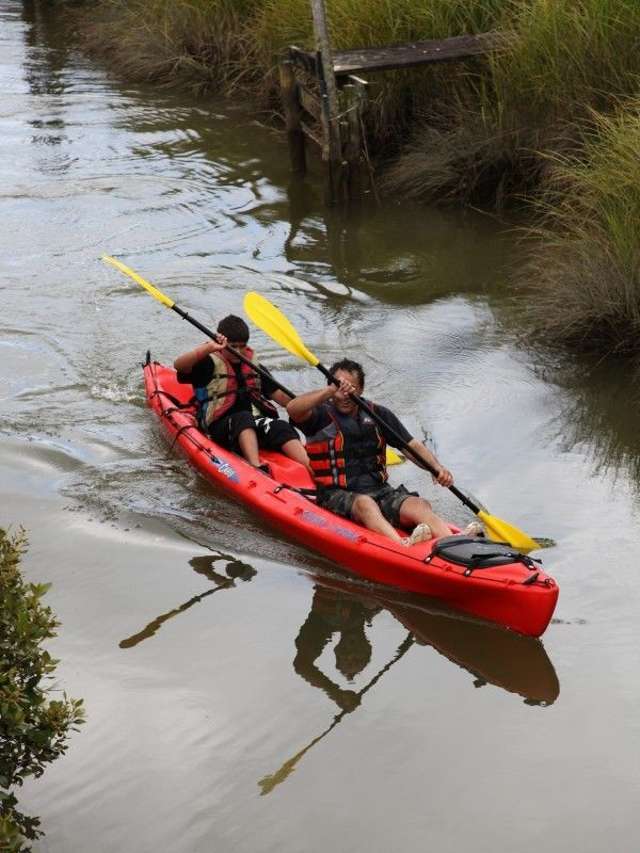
(498, 594)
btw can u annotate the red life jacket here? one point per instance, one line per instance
(347, 448)
(221, 393)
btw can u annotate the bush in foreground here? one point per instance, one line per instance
(33, 727)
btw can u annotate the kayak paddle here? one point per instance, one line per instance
(272, 321)
(392, 457)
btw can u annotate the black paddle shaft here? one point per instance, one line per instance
(400, 441)
(214, 337)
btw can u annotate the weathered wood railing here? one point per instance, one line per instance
(324, 101)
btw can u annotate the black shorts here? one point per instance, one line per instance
(388, 498)
(272, 433)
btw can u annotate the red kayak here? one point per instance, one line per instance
(483, 578)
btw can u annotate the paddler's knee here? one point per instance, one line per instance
(363, 505)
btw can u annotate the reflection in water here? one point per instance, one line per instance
(235, 569)
(44, 73)
(491, 655)
(602, 414)
(331, 613)
(351, 703)
(407, 258)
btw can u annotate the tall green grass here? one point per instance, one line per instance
(563, 60)
(220, 44)
(584, 264)
(396, 97)
(198, 43)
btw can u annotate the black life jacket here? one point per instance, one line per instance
(347, 448)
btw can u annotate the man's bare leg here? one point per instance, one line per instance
(367, 512)
(248, 441)
(415, 511)
(295, 450)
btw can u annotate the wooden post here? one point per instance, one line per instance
(353, 152)
(291, 104)
(332, 149)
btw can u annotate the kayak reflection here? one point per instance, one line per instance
(234, 570)
(492, 655)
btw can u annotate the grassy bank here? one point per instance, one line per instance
(234, 45)
(563, 61)
(199, 44)
(584, 263)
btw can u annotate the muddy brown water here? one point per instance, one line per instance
(241, 694)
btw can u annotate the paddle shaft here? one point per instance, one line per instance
(214, 337)
(401, 443)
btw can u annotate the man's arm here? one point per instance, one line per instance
(301, 408)
(280, 398)
(185, 362)
(445, 478)
(397, 430)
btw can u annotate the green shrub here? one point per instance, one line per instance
(33, 727)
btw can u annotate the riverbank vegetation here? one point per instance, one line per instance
(33, 727)
(527, 124)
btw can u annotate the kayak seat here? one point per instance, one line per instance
(474, 553)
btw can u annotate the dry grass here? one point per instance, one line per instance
(195, 43)
(563, 61)
(584, 262)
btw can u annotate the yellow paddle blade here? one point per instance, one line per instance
(272, 321)
(501, 531)
(394, 458)
(157, 294)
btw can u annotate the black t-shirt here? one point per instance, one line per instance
(203, 371)
(320, 418)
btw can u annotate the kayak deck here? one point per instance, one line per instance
(511, 594)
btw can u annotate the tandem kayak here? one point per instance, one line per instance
(482, 578)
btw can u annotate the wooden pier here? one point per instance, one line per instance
(324, 97)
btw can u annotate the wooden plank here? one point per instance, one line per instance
(311, 134)
(412, 54)
(415, 53)
(332, 149)
(310, 102)
(303, 59)
(293, 113)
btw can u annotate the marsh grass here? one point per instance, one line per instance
(194, 43)
(584, 260)
(226, 44)
(562, 61)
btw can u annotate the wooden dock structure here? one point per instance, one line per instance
(324, 97)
